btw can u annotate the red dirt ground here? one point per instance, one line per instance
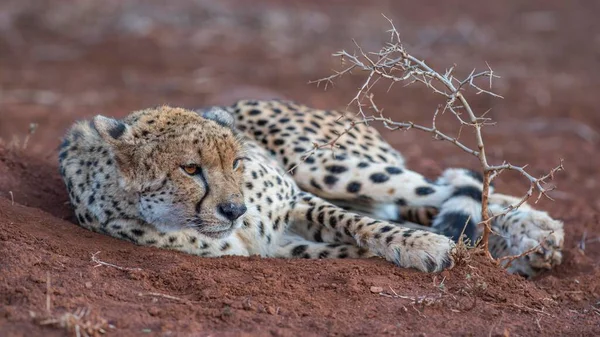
(63, 61)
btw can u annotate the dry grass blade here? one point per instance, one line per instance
(102, 263)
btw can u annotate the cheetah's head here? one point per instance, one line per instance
(184, 167)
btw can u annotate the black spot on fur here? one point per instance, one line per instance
(309, 214)
(453, 224)
(379, 178)
(468, 191)
(314, 184)
(117, 131)
(336, 169)
(318, 237)
(430, 264)
(401, 202)
(424, 190)
(137, 232)
(393, 170)
(353, 187)
(330, 180)
(309, 130)
(386, 229)
(299, 250)
(321, 217)
(408, 233)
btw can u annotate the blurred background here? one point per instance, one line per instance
(65, 60)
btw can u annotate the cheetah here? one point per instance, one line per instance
(234, 181)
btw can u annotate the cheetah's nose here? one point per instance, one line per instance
(231, 210)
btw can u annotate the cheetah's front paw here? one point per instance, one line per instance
(531, 229)
(425, 251)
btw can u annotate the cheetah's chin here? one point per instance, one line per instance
(219, 234)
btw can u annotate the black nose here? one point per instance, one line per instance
(231, 210)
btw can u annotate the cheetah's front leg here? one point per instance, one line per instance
(294, 246)
(405, 247)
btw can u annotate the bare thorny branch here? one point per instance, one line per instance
(394, 64)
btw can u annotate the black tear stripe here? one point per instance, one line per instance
(206, 191)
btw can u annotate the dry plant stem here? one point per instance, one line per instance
(395, 64)
(48, 298)
(102, 263)
(485, 218)
(163, 296)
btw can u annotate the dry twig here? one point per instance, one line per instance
(102, 263)
(163, 296)
(511, 258)
(394, 64)
(48, 298)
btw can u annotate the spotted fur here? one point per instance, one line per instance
(133, 179)
(258, 193)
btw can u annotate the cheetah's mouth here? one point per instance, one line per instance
(217, 234)
(216, 231)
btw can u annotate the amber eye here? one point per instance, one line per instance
(191, 169)
(237, 162)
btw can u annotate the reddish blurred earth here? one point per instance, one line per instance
(64, 61)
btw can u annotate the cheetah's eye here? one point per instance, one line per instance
(237, 161)
(191, 169)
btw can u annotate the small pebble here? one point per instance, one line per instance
(376, 290)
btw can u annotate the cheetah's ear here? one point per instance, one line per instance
(113, 131)
(218, 115)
